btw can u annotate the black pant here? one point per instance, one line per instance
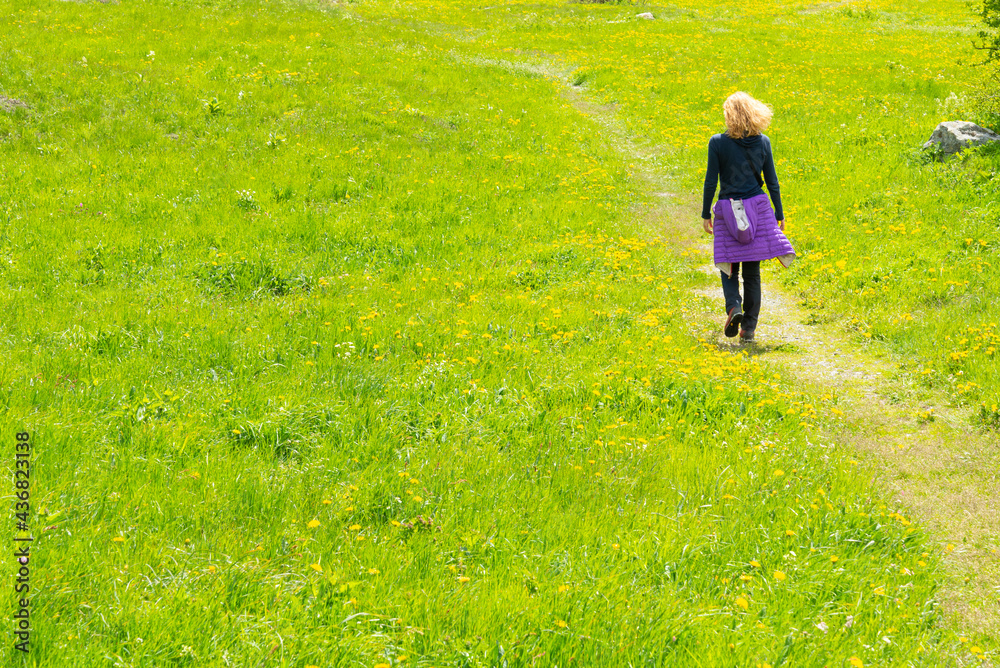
(751, 292)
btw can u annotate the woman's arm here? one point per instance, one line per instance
(711, 181)
(771, 179)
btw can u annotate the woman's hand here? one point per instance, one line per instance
(707, 224)
(781, 225)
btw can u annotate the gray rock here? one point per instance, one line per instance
(953, 136)
(645, 15)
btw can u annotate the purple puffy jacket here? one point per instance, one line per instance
(768, 243)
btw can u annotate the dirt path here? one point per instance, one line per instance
(941, 472)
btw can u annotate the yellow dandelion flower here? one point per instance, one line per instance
(856, 662)
(834, 559)
(561, 624)
(463, 579)
(313, 524)
(755, 563)
(779, 576)
(316, 567)
(743, 603)
(355, 527)
(373, 571)
(118, 539)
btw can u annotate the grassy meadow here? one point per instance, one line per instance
(343, 342)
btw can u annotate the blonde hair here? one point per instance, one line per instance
(745, 116)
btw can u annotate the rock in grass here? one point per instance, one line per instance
(645, 15)
(10, 103)
(953, 136)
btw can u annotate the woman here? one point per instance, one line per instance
(750, 230)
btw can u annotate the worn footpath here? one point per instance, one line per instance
(928, 455)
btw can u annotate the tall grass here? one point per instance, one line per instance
(341, 343)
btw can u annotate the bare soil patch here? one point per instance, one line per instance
(10, 103)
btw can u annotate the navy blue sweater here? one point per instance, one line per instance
(727, 163)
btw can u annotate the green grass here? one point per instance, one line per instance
(894, 244)
(341, 342)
